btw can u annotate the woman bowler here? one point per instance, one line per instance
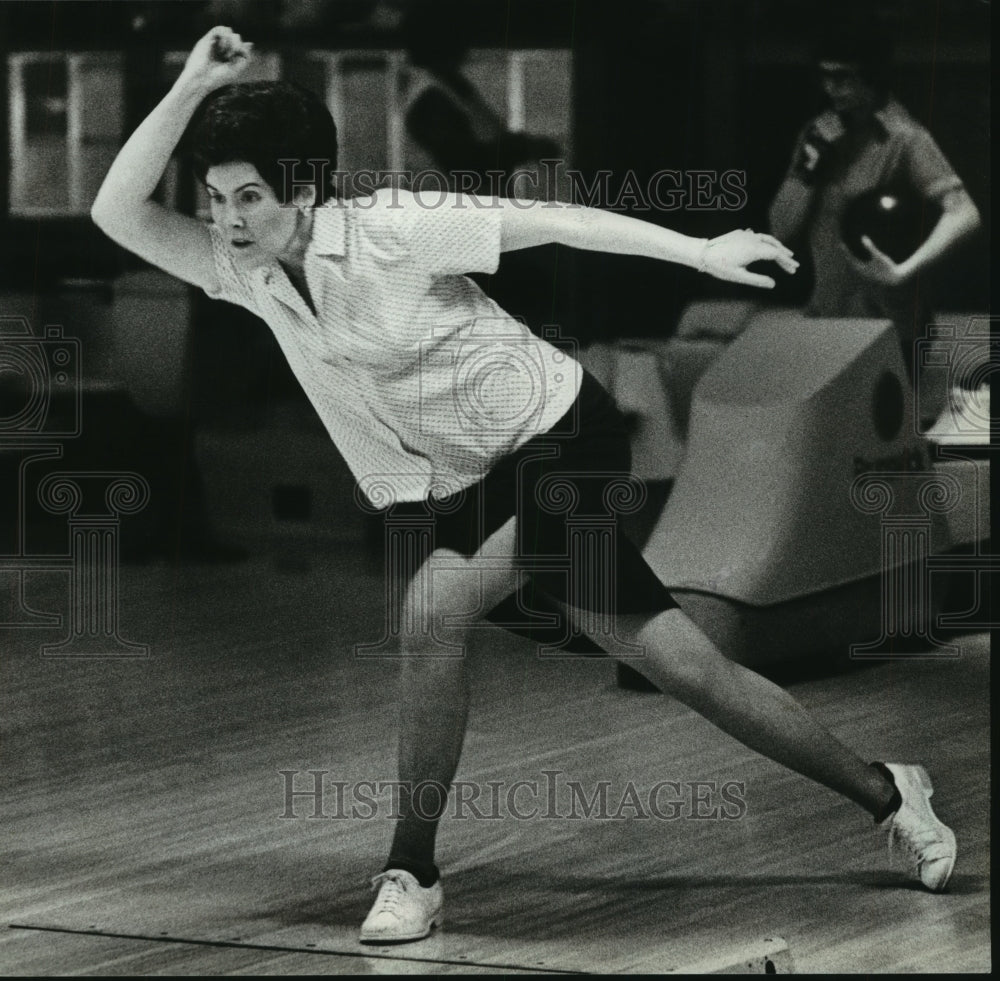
(369, 300)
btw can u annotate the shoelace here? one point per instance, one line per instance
(920, 847)
(392, 892)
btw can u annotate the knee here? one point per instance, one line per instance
(434, 599)
(441, 669)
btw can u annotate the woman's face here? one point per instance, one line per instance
(257, 226)
(845, 88)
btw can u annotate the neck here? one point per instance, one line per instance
(293, 257)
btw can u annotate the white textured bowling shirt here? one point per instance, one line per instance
(421, 380)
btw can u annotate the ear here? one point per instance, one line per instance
(304, 196)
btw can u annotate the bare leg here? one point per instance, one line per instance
(434, 700)
(434, 708)
(683, 662)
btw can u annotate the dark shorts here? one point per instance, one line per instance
(568, 489)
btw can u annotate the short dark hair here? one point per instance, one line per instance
(263, 123)
(860, 41)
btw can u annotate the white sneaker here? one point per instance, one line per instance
(929, 844)
(403, 910)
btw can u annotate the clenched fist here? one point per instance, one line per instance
(218, 59)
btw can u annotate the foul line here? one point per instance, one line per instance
(293, 950)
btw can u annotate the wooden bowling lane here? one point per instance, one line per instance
(335, 950)
(143, 802)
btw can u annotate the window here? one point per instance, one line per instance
(67, 109)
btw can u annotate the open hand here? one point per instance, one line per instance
(879, 268)
(218, 59)
(727, 257)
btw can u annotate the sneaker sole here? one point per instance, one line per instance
(373, 939)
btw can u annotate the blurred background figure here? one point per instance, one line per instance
(870, 191)
(451, 128)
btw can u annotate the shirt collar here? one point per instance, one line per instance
(328, 239)
(328, 234)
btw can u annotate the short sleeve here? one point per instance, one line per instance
(234, 286)
(930, 173)
(453, 234)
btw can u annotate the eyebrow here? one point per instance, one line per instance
(235, 190)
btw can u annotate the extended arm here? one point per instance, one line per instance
(124, 208)
(525, 224)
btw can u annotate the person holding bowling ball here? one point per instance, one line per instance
(870, 191)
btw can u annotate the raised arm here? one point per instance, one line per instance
(124, 208)
(817, 149)
(525, 224)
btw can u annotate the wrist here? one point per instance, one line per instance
(699, 253)
(191, 89)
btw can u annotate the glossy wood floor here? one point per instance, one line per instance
(143, 801)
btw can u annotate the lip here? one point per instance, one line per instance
(240, 243)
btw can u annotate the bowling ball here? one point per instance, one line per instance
(896, 219)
